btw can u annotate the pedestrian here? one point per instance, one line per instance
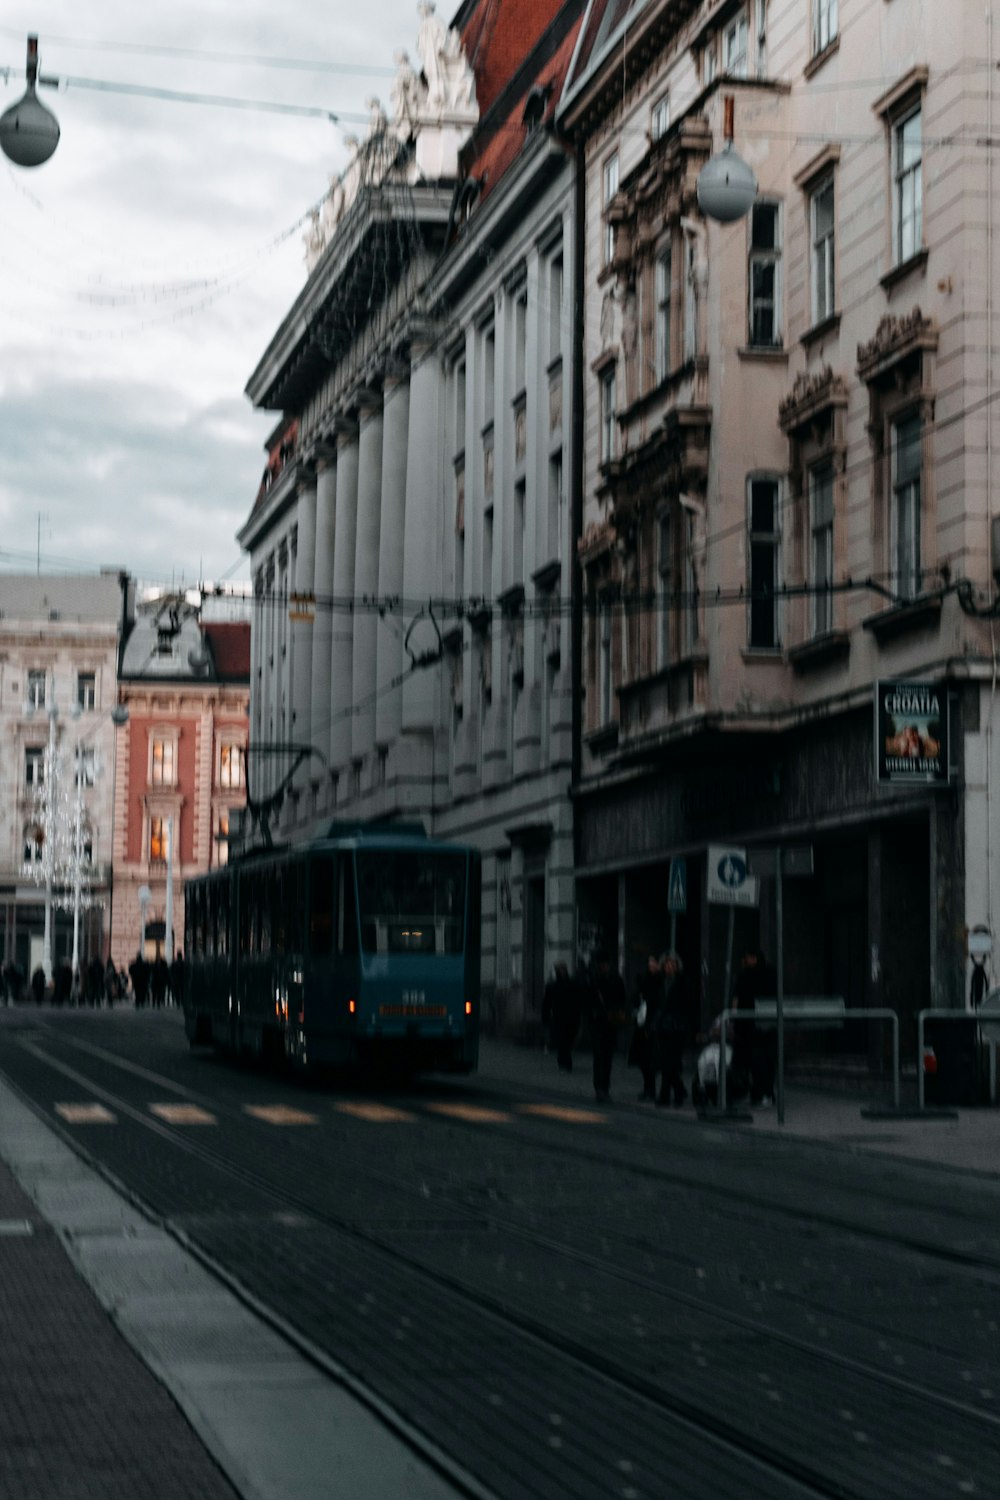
(139, 970)
(177, 975)
(608, 1013)
(159, 981)
(671, 1031)
(642, 1047)
(561, 1014)
(38, 985)
(752, 1070)
(95, 981)
(110, 982)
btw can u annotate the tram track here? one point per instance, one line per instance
(286, 1198)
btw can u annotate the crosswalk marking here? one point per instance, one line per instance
(375, 1114)
(183, 1114)
(86, 1114)
(474, 1112)
(280, 1114)
(563, 1112)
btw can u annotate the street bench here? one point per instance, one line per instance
(804, 1010)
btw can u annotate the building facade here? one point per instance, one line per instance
(789, 433)
(59, 643)
(412, 551)
(181, 760)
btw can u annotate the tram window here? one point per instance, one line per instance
(411, 902)
(266, 896)
(347, 919)
(321, 906)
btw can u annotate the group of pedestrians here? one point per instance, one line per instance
(98, 983)
(661, 1025)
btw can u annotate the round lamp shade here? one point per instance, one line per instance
(726, 187)
(29, 133)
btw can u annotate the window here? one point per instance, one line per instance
(664, 564)
(161, 772)
(763, 563)
(905, 520)
(222, 837)
(821, 547)
(734, 47)
(907, 223)
(520, 340)
(85, 770)
(86, 690)
(664, 273)
(34, 766)
(35, 696)
(710, 62)
(460, 409)
(604, 639)
(690, 617)
(823, 244)
(157, 841)
(609, 187)
(824, 24)
(34, 844)
(555, 307)
(608, 416)
(230, 764)
(659, 120)
(764, 275)
(556, 505)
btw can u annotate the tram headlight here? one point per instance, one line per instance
(468, 1007)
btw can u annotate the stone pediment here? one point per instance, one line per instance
(896, 340)
(812, 396)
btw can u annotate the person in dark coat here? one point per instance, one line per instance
(671, 1031)
(38, 985)
(561, 1014)
(139, 972)
(177, 974)
(609, 1012)
(643, 1046)
(755, 981)
(159, 981)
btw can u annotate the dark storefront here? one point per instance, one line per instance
(879, 921)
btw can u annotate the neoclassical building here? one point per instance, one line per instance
(412, 541)
(59, 643)
(789, 543)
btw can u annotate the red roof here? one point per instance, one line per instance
(230, 645)
(498, 36)
(502, 147)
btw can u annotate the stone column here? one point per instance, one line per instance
(389, 647)
(342, 652)
(366, 574)
(302, 628)
(420, 534)
(326, 511)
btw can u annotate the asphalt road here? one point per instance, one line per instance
(569, 1301)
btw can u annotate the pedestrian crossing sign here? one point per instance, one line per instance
(677, 893)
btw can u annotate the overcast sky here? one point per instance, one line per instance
(145, 267)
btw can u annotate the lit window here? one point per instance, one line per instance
(907, 151)
(764, 275)
(823, 244)
(231, 765)
(824, 24)
(222, 838)
(609, 187)
(157, 840)
(86, 690)
(906, 465)
(161, 771)
(763, 562)
(821, 547)
(608, 416)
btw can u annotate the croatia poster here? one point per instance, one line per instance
(911, 732)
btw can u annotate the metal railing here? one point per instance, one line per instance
(813, 1015)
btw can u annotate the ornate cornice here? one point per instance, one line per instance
(811, 395)
(895, 339)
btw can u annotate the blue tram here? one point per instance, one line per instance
(359, 947)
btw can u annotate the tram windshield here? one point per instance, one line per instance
(411, 901)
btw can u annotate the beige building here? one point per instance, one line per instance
(789, 435)
(59, 640)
